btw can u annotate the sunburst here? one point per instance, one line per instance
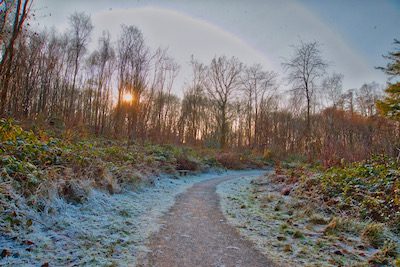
(127, 97)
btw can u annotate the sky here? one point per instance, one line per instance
(354, 34)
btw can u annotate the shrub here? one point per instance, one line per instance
(237, 160)
(183, 162)
(230, 160)
(211, 161)
(73, 192)
(371, 187)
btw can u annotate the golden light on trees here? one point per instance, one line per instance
(127, 97)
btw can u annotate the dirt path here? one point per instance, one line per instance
(195, 233)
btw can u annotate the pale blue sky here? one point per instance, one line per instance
(354, 33)
(369, 25)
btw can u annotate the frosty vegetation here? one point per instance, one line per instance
(90, 141)
(291, 218)
(105, 230)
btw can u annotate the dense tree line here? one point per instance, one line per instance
(123, 89)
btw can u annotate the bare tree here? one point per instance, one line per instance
(168, 70)
(366, 98)
(103, 61)
(258, 86)
(305, 68)
(194, 104)
(223, 80)
(133, 69)
(333, 88)
(12, 18)
(213, 110)
(80, 31)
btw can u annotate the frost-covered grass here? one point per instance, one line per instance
(105, 230)
(294, 232)
(242, 212)
(74, 200)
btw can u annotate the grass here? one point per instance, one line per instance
(373, 234)
(287, 248)
(363, 199)
(318, 219)
(298, 234)
(340, 225)
(346, 215)
(36, 165)
(384, 255)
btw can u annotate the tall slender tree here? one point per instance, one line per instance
(390, 106)
(81, 28)
(12, 19)
(223, 81)
(258, 86)
(304, 69)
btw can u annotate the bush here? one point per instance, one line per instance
(230, 160)
(241, 160)
(184, 162)
(372, 187)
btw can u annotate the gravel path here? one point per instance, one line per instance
(195, 233)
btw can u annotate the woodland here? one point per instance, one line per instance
(74, 119)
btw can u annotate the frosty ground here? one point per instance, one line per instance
(289, 233)
(106, 230)
(195, 232)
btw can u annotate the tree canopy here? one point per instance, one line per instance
(390, 106)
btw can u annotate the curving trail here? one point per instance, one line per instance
(195, 233)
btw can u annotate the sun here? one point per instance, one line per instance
(127, 97)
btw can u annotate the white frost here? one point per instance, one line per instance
(106, 230)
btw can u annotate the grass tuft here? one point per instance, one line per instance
(373, 234)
